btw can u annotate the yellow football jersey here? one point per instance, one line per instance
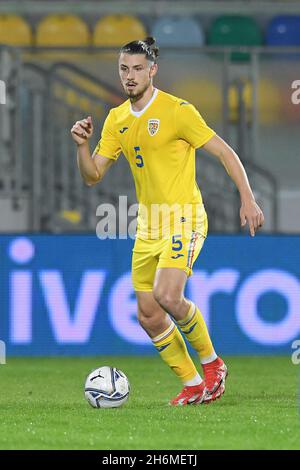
(159, 143)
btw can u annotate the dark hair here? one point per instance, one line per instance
(142, 47)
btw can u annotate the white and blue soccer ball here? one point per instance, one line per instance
(106, 387)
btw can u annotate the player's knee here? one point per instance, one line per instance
(167, 299)
(148, 321)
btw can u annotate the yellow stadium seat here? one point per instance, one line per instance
(14, 31)
(117, 30)
(63, 31)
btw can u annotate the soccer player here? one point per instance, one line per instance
(158, 134)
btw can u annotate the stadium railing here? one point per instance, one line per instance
(11, 132)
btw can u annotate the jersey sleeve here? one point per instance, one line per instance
(190, 125)
(108, 145)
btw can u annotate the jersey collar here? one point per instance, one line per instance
(139, 113)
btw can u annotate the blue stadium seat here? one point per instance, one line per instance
(284, 31)
(185, 31)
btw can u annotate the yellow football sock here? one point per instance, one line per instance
(172, 349)
(195, 330)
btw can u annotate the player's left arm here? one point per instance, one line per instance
(250, 211)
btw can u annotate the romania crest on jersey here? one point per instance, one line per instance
(153, 126)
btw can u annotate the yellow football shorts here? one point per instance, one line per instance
(177, 251)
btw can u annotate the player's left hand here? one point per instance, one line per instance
(250, 212)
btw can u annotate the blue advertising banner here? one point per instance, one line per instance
(72, 295)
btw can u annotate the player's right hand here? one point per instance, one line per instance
(82, 130)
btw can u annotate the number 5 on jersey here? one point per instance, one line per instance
(138, 158)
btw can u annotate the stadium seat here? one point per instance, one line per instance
(170, 31)
(235, 31)
(14, 31)
(284, 31)
(117, 30)
(62, 31)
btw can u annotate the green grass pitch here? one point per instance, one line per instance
(43, 407)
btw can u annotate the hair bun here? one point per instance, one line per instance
(149, 41)
(142, 47)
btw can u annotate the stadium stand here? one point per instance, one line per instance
(15, 31)
(235, 31)
(284, 31)
(62, 30)
(231, 89)
(116, 30)
(170, 31)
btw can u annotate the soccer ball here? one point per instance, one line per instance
(106, 387)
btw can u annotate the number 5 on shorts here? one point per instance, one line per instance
(176, 244)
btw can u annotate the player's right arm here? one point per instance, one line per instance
(92, 168)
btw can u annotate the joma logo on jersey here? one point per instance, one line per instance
(153, 126)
